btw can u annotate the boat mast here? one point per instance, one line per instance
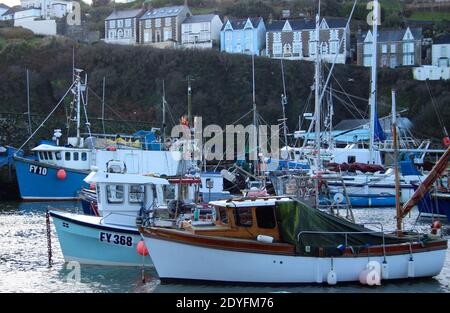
(78, 81)
(164, 113)
(373, 88)
(317, 91)
(255, 122)
(397, 175)
(103, 106)
(283, 104)
(28, 102)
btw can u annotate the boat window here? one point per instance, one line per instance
(45, 155)
(83, 156)
(67, 156)
(351, 159)
(222, 215)
(114, 193)
(243, 217)
(50, 155)
(58, 155)
(41, 155)
(136, 194)
(97, 190)
(169, 192)
(265, 217)
(75, 156)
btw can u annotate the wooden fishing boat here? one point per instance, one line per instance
(281, 240)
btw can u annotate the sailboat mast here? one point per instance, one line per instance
(78, 108)
(317, 107)
(255, 132)
(164, 112)
(397, 175)
(373, 87)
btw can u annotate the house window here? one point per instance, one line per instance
(384, 61)
(324, 49)
(168, 21)
(368, 48)
(408, 59)
(205, 27)
(188, 28)
(248, 40)
(408, 47)
(167, 33)
(228, 41)
(265, 217)
(148, 23)
(384, 48)
(67, 156)
(393, 62)
(277, 48)
(136, 194)
(147, 36)
(114, 193)
(393, 48)
(367, 60)
(334, 47)
(120, 33)
(312, 48)
(119, 23)
(128, 22)
(127, 33)
(158, 36)
(243, 217)
(204, 36)
(297, 48)
(112, 24)
(443, 51)
(158, 22)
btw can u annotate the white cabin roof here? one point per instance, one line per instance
(114, 178)
(249, 203)
(51, 148)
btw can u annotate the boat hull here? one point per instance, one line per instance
(39, 181)
(86, 240)
(223, 265)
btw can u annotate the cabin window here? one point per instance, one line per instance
(243, 217)
(67, 156)
(136, 194)
(222, 215)
(351, 159)
(58, 155)
(45, 155)
(265, 217)
(50, 156)
(75, 156)
(169, 192)
(41, 156)
(83, 156)
(99, 196)
(114, 193)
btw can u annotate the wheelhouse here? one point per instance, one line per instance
(73, 158)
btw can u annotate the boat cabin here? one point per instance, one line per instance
(245, 219)
(73, 158)
(120, 196)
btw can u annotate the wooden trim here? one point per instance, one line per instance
(253, 246)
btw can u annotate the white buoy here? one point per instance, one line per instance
(332, 278)
(384, 270)
(411, 268)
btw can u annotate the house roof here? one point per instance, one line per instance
(240, 23)
(199, 18)
(3, 6)
(163, 12)
(442, 40)
(13, 10)
(306, 24)
(387, 35)
(116, 14)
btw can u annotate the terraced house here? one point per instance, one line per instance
(296, 40)
(243, 36)
(122, 27)
(396, 47)
(161, 27)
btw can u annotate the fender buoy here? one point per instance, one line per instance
(141, 248)
(61, 174)
(92, 186)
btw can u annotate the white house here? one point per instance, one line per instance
(49, 8)
(201, 31)
(440, 64)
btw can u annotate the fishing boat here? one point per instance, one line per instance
(57, 172)
(107, 232)
(281, 240)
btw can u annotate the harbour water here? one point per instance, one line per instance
(24, 262)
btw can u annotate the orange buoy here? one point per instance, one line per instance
(61, 174)
(141, 248)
